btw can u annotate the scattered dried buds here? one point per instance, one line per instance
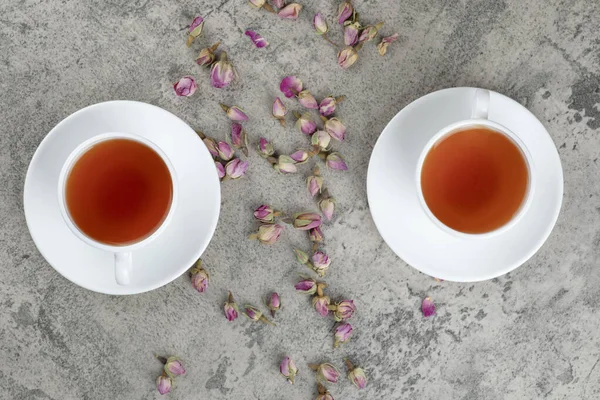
(290, 86)
(301, 256)
(351, 34)
(327, 206)
(230, 308)
(234, 113)
(254, 314)
(307, 286)
(211, 145)
(428, 307)
(199, 277)
(258, 40)
(220, 169)
(342, 334)
(164, 384)
(315, 235)
(335, 128)
(343, 310)
(300, 156)
(325, 372)
(279, 111)
(321, 304)
(328, 104)
(195, 29)
(356, 375)
(265, 149)
(345, 11)
(224, 151)
(265, 214)
(291, 11)
(323, 393)
(320, 24)
(239, 138)
(236, 168)
(268, 233)
(305, 123)
(307, 100)
(207, 55)
(222, 73)
(347, 57)
(185, 87)
(273, 303)
(172, 366)
(306, 221)
(320, 140)
(385, 42)
(369, 32)
(335, 161)
(314, 184)
(285, 165)
(320, 263)
(288, 369)
(261, 4)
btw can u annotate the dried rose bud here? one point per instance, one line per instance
(236, 168)
(315, 235)
(273, 303)
(211, 145)
(239, 138)
(344, 310)
(291, 11)
(285, 165)
(255, 315)
(428, 307)
(314, 183)
(369, 32)
(258, 40)
(344, 12)
(173, 367)
(164, 384)
(385, 42)
(207, 55)
(264, 213)
(234, 113)
(288, 369)
(306, 286)
(306, 124)
(320, 263)
(335, 161)
(321, 304)
(307, 100)
(326, 372)
(257, 3)
(195, 29)
(327, 206)
(351, 34)
(327, 106)
(323, 393)
(265, 149)
(335, 129)
(356, 375)
(342, 334)
(230, 308)
(320, 139)
(185, 87)
(290, 86)
(320, 24)
(199, 277)
(279, 3)
(220, 169)
(300, 156)
(301, 256)
(225, 151)
(306, 220)
(268, 233)
(279, 111)
(347, 57)
(222, 72)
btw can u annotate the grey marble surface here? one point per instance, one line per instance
(531, 334)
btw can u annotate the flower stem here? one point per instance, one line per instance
(329, 40)
(349, 365)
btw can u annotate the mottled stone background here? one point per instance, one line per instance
(531, 334)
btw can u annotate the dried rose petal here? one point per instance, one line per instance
(314, 183)
(285, 165)
(369, 32)
(222, 72)
(288, 369)
(321, 304)
(320, 139)
(327, 106)
(306, 124)
(344, 310)
(185, 87)
(336, 129)
(291, 11)
(428, 307)
(320, 24)
(306, 220)
(335, 161)
(258, 40)
(299, 156)
(174, 367)
(342, 334)
(164, 384)
(385, 42)
(264, 214)
(230, 308)
(265, 149)
(234, 113)
(351, 34)
(268, 233)
(315, 235)
(327, 206)
(290, 86)
(195, 29)
(306, 286)
(220, 169)
(225, 151)
(344, 12)
(347, 57)
(307, 100)
(236, 168)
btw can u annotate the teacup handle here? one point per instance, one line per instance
(481, 105)
(123, 268)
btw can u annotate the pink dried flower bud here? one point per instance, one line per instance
(321, 304)
(369, 32)
(358, 377)
(185, 87)
(320, 263)
(351, 34)
(230, 308)
(279, 3)
(307, 100)
(335, 161)
(306, 124)
(315, 184)
(306, 286)
(257, 3)
(234, 113)
(195, 29)
(225, 151)
(327, 106)
(222, 72)
(323, 393)
(290, 86)
(268, 233)
(258, 40)
(207, 55)
(239, 139)
(301, 256)
(265, 149)
(428, 307)
(320, 24)
(300, 156)
(211, 145)
(335, 129)
(254, 314)
(291, 11)
(315, 235)
(279, 110)
(236, 168)
(273, 303)
(264, 213)
(174, 367)
(288, 369)
(285, 165)
(344, 310)
(345, 11)
(385, 42)
(342, 334)
(320, 139)
(220, 169)
(306, 220)
(347, 57)
(164, 384)
(199, 277)
(327, 207)
(326, 372)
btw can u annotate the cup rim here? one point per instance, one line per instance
(66, 169)
(460, 125)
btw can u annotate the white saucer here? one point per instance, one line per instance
(185, 237)
(405, 226)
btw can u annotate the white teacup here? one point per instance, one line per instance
(122, 254)
(479, 118)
